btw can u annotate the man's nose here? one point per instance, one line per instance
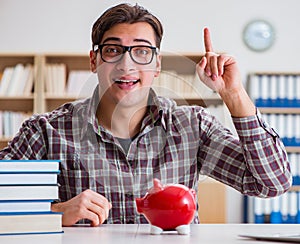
(126, 63)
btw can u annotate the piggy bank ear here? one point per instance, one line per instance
(157, 186)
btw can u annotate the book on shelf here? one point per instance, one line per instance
(287, 126)
(174, 85)
(10, 122)
(29, 165)
(30, 223)
(19, 206)
(81, 83)
(282, 209)
(275, 90)
(55, 80)
(17, 80)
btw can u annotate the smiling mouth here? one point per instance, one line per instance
(131, 82)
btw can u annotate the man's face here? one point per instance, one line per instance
(125, 82)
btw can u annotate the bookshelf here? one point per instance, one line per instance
(277, 94)
(40, 100)
(16, 103)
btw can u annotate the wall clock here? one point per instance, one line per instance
(259, 35)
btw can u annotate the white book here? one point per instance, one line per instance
(77, 81)
(5, 80)
(29, 166)
(292, 157)
(290, 123)
(6, 124)
(49, 79)
(293, 208)
(29, 81)
(29, 192)
(265, 87)
(297, 127)
(258, 207)
(15, 80)
(25, 206)
(284, 206)
(254, 87)
(15, 178)
(281, 123)
(290, 87)
(281, 87)
(273, 87)
(297, 90)
(30, 223)
(60, 80)
(21, 82)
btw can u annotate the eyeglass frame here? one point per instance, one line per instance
(96, 47)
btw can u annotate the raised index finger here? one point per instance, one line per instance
(207, 41)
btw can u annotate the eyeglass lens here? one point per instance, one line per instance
(139, 54)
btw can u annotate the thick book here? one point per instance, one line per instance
(29, 192)
(7, 206)
(30, 223)
(29, 165)
(28, 178)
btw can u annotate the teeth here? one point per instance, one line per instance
(125, 81)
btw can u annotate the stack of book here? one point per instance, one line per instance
(27, 188)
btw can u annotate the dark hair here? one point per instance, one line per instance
(125, 13)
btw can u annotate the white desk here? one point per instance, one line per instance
(119, 234)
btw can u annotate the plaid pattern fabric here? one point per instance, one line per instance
(176, 144)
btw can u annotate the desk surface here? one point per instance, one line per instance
(202, 233)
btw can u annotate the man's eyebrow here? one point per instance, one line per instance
(119, 40)
(111, 39)
(143, 40)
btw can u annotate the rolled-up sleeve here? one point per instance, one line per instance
(267, 171)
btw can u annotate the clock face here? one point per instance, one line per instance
(259, 35)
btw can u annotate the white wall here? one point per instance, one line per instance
(63, 26)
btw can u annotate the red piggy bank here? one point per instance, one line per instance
(169, 207)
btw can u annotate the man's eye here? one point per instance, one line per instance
(142, 51)
(112, 50)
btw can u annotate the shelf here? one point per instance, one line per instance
(277, 110)
(54, 102)
(293, 149)
(24, 104)
(295, 188)
(3, 142)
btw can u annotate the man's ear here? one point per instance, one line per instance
(93, 61)
(158, 65)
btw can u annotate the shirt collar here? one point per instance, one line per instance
(158, 107)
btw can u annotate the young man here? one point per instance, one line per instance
(113, 144)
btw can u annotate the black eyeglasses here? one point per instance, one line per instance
(140, 54)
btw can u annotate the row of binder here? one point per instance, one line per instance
(284, 209)
(287, 126)
(275, 90)
(294, 159)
